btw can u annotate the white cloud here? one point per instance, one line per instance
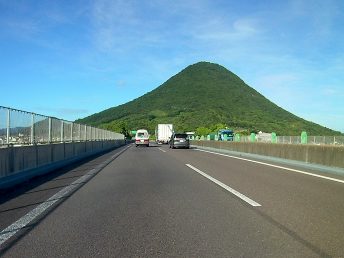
(246, 26)
(278, 81)
(322, 15)
(121, 84)
(115, 25)
(329, 92)
(219, 30)
(23, 27)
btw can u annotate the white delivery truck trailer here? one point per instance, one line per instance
(163, 133)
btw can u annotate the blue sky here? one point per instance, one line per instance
(70, 59)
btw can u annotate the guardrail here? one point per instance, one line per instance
(19, 127)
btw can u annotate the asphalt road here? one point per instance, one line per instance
(157, 202)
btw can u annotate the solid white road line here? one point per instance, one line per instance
(275, 166)
(13, 229)
(29, 217)
(162, 150)
(229, 189)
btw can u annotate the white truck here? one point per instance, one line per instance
(163, 133)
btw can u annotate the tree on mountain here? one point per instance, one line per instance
(202, 131)
(217, 127)
(119, 127)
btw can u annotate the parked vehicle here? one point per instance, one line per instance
(163, 133)
(225, 135)
(179, 140)
(142, 137)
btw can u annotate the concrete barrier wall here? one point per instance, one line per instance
(18, 164)
(332, 156)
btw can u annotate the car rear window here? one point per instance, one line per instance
(181, 135)
(140, 134)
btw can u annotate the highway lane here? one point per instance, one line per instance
(308, 208)
(148, 203)
(20, 200)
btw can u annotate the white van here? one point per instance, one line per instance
(142, 137)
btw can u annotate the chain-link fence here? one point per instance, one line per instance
(317, 140)
(270, 138)
(21, 128)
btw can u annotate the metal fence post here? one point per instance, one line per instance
(8, 126)
(71, 132)
(49, 131)
(32, 128)
(62, 140)
(79, 132)
(85, 133)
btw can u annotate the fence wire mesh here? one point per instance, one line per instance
(313, 140)
(41, 128)
(56, 130)
(67, 128)
(19, 127)
(3, 125)
(21, 124)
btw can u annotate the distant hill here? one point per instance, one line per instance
(203, 95)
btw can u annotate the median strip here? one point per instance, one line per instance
(226, 187)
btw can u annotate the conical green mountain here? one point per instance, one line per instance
(203, 95)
